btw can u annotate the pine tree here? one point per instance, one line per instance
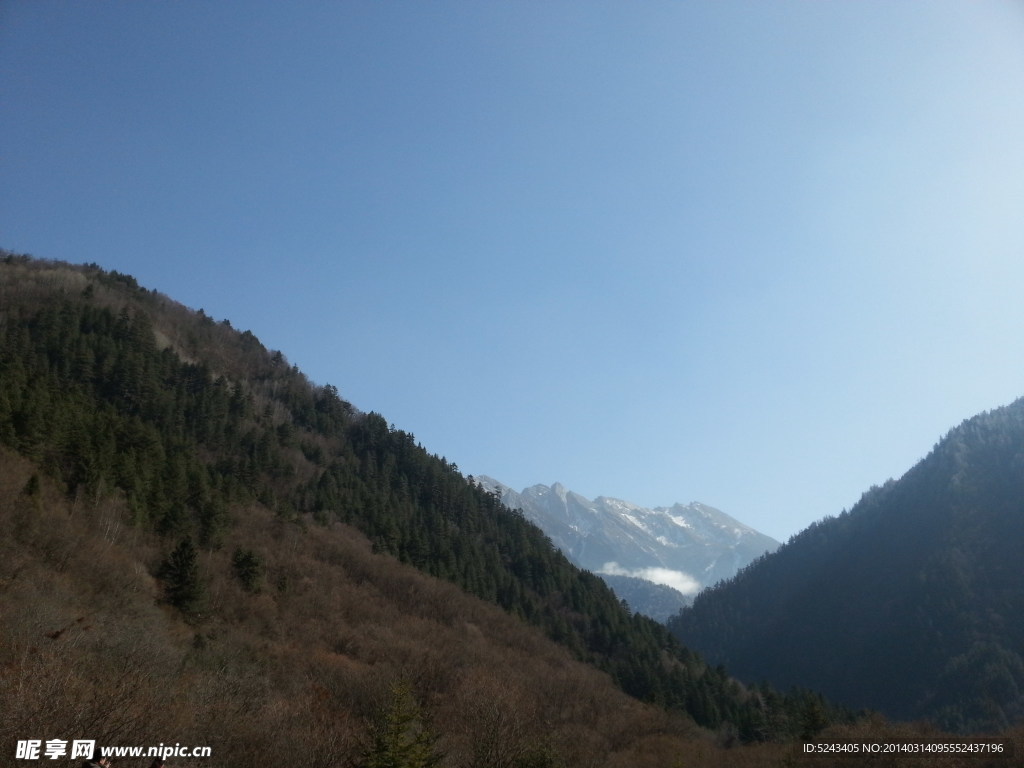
(248, 567)
(180, 572)
(400, 737)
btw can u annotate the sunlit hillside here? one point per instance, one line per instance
(201, 546)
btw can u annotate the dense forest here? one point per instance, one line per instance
(218, 488)
(911, 603)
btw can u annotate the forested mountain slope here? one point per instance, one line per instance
(911, 603)
(296, 644)
(196, 468)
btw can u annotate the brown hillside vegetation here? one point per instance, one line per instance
(294, 673)
(297, 670)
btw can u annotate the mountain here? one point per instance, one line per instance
(682, 547)
(199, 545)
(647, 597)
(911, 603)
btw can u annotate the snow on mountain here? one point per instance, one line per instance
(685, 547)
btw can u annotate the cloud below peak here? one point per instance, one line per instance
(678, 580)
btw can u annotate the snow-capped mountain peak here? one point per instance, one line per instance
(685, 547)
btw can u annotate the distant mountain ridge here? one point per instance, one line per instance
(685, 547)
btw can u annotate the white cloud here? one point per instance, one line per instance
(678, 580)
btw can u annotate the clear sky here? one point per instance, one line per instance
(756, 254)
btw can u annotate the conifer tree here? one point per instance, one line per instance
(400, 737)
(180, 572)
(248, 567)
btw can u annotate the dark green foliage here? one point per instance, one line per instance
(118, 391)
(401, 737)
(911, 603)
(248, 567)
(183, 587)
(31, 488)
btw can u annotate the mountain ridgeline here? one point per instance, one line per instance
(186, 433)
(656, 559)
(911, 603)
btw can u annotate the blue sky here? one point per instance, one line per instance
(760, 255)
